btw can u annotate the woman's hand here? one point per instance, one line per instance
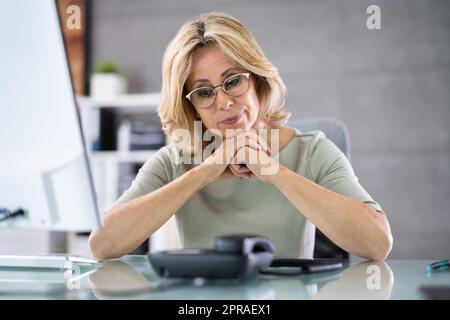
(248, 162)
(240, 169)
(219, 166)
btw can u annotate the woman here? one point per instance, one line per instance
(215, 72)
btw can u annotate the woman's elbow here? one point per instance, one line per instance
(100, 248)
(381, 244)
(382, 249)
(95, 246)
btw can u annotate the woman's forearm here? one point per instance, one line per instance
(127, 225)
(352, 225)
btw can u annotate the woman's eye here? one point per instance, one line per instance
(232, 82)
(203, 93)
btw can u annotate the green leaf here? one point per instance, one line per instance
(107, 66)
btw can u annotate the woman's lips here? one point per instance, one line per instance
(233, 119)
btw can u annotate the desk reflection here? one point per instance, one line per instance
(119, 280)
(363, 281)
(366, 280)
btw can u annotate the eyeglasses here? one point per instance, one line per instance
(234, 86)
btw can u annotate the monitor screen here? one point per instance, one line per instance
(44, 167)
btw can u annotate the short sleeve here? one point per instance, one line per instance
(157, 171)
(330, 169)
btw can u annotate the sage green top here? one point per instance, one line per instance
(248, 205)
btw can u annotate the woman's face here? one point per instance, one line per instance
(210, 68)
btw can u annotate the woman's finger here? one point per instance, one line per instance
(251, 145)
(251, 138)
(243, 168)
(238, 174)
(248, 156)
(240, 168)
(258, 138)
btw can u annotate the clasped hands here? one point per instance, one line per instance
(243, 155)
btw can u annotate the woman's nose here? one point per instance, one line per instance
(223, 101)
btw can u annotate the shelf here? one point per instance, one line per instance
(122, 156)
(141, 100)
(111, 168)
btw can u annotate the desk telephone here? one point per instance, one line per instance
(233, 256)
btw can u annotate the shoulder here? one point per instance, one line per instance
(314, 143)
(169, 154)
(318, 152)
(164, 163)
(309, 137)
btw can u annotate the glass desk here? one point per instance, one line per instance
(132, 277)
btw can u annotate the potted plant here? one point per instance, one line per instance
(108, 81)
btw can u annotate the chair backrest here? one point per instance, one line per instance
(336, 131)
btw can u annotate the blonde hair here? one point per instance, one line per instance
(238, 44)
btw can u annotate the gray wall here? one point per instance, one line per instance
(389, 86)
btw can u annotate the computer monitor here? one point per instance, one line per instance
(44, 168)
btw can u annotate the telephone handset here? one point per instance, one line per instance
(233, 256)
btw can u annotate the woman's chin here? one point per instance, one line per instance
(229, 131)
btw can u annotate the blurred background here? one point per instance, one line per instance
(389, 86)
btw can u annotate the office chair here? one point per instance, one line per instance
(337, 132)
